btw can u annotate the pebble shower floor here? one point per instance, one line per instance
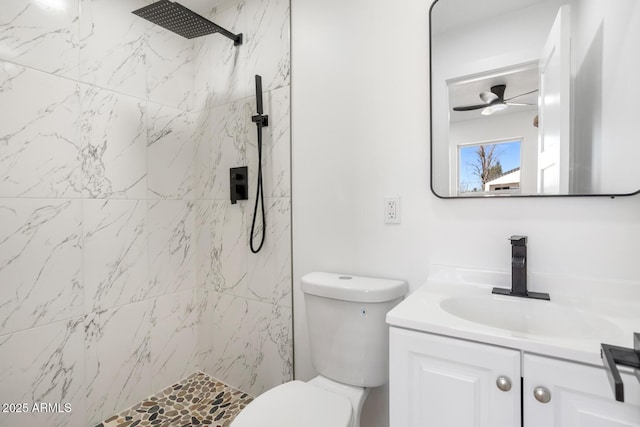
(199, 400)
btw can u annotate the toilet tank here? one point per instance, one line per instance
(346, 323)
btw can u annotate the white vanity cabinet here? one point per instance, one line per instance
(579, 395)
(447, 382)
(453, 344)
(450, 382)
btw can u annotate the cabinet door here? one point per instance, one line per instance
(580, 396)
(437, 381)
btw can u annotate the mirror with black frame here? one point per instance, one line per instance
(535, 98)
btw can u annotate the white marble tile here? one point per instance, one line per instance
(204, 244)
(40, 262)
(170, 68)
(250, 343)
(229, 76)
(44, 365)
(276, 145)
(204, 174)
(225, 263)
(229, 134)
(114, 145)
(113, 45)
(268, 42)
(202, 58)
(171, 153)
(171, 246)
(205, 327)
(116, 269)
(173, 338)
(265, 50)
(41, 34)
(229, 248)
(269, 271)
(39, 144)
(118, 369)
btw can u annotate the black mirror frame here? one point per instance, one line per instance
(501, 196)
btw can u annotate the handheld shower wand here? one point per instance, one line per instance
(261, 121)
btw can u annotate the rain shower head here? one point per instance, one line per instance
(182, 21)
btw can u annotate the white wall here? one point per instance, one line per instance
(604, 49)
(360, 108)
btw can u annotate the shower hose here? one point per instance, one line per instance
(259, 197)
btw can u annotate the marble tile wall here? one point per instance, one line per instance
(245, 334)
(123, 266)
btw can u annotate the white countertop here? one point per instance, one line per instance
(611, 312)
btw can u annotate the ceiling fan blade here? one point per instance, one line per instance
(491, 99)
(469, 107)
(522, 94)
(518, 104)
(488, 97)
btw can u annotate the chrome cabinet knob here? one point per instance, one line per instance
(542, 395)
(503, 383)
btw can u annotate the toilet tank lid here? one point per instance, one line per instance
(353, 288)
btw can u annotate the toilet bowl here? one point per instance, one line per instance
(307, 404)
(349, 349)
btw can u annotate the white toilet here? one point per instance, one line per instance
(349, 349)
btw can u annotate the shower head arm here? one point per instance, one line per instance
(237, 38)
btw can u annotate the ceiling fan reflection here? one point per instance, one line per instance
(494, 101)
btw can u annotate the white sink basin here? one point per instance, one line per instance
(533, 317)
(581, 315)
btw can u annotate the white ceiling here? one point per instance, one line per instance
(446, 14)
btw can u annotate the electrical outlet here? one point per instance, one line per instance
(392, 210)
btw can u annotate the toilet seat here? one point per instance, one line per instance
(296, 404)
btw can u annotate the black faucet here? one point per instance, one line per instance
(519, 272)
